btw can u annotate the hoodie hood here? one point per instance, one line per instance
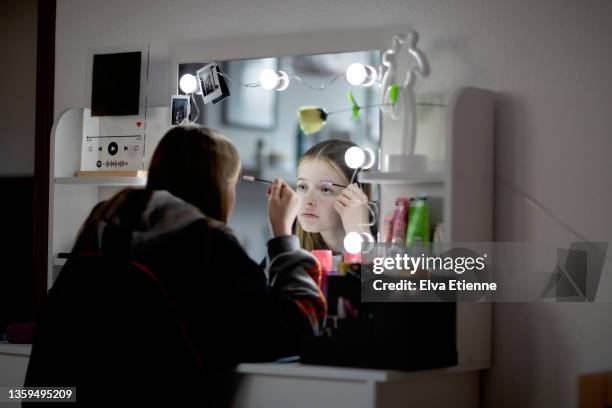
(146, 216)
(164, 214)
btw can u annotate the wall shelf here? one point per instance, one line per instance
(57, 261)
(103, 181)
(71, 198)
(426, 177)
(455, 133)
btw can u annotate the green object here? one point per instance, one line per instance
(418, 222)
(393, 93)
(355, 108)
(311, 119)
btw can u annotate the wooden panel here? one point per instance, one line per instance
(595, 390)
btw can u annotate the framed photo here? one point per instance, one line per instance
(250, 107)
(209, 82)
(180, 109)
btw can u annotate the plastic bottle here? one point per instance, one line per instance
(400, 217)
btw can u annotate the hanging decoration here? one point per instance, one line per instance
(397, 97)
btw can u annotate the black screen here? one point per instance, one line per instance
(115, 87)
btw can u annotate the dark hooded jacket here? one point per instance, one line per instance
(232, 310)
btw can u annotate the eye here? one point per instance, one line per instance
(327, 190)
(301, 188)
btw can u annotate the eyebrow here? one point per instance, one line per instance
(324, 181)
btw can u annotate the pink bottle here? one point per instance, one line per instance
(400, 220)
(387, 235)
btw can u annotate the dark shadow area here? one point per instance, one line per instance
(16, 250)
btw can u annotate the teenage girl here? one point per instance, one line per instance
(175, 230)
(331, 203)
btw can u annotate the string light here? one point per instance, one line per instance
(370, 158)
(188, 84)
(354, 157)
(357, 157)
(353, 242)
(356, 74)
(270, 78)
(273, 80)
(360, 74)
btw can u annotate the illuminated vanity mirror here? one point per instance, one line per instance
(263, 124)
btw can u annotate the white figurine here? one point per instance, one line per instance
(405, 106)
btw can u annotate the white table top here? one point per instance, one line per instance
(346, 373)
(18, 349)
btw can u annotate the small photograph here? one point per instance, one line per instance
(180, 109)
(209, 82)
(224, 89)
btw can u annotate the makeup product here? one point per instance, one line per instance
(439, 237)
(351, 258)
(333, 184)
(253, 178)
(387, 234)
(400, 218)
(350, 265)
(418, 225)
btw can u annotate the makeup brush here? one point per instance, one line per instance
(333, 184)
(253, 178)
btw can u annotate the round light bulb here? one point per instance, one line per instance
(370, 158)
(268, 79)
(359, 74)
(352, 242)
(371, 76)
(273, 80)
(356, 74)
(188, 83)
(283, 81)
(355, 157)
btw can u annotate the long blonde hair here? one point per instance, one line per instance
(196, 164)
(331, 152)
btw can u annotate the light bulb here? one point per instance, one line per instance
(370, 158)
(355, 157)
(352, 242)
(284, 81)
(188, 83)
(359, 74)
(273, 80)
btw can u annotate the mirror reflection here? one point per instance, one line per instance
(263, 123)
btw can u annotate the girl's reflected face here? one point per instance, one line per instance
(317, 195)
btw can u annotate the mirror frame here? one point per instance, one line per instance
(291, 44)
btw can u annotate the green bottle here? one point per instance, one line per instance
(418, 221)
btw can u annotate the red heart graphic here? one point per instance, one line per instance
(138, 123)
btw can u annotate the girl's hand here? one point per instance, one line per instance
(282, 207)
(352, 206)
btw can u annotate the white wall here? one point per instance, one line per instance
(18, 86)
(550, 62)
